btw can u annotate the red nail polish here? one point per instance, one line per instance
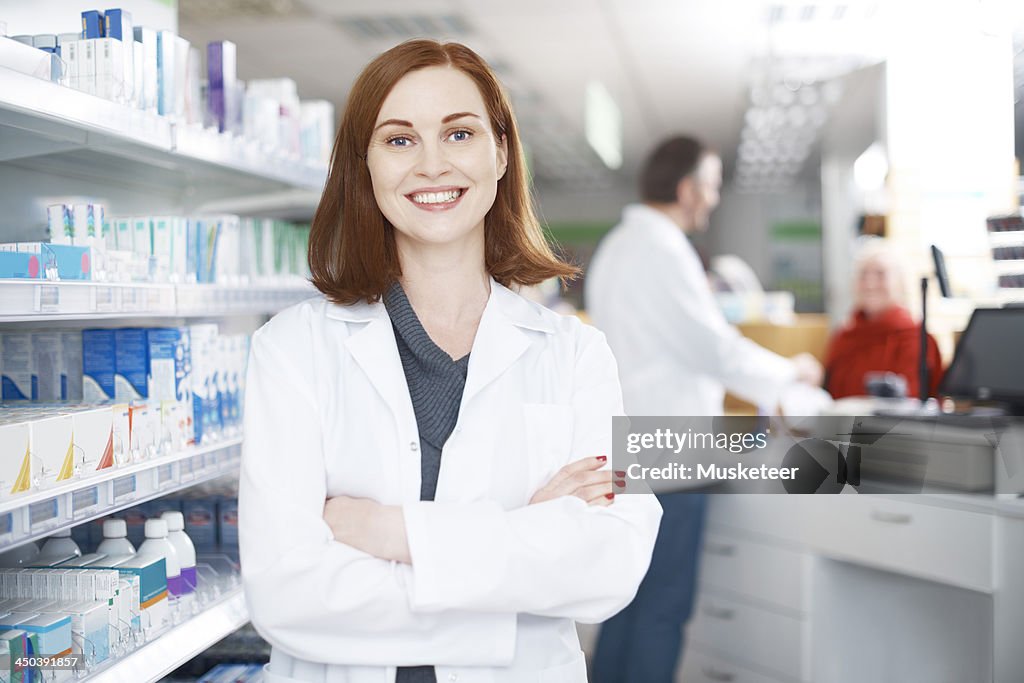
(602, 458)
(620, 473)
(620, 484)
(609, 496)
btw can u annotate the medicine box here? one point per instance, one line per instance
(15, 459)
(94, 440)
(98, 366)
(52, 449)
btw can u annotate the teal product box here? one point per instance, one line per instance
(207, 237)
(153, 597)
(131, 364)
(166, 80)
(142, 236)
(201, 523)
(18, 382)
(90, 629)
(227, 526)
(20, 266)
(83, 561)
(124, 234)
(93, 24)
(146, 37)
(58, 220)
(98, 365)
(60, 261)
(206, 422)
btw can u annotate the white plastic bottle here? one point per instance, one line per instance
(59, 545)
(186, 551)
(19, 556)
(157, 545)
(115, 539)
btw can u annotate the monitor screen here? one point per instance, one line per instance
(987, 365)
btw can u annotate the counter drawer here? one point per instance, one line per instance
(758, 570)
(776, 516)
(759, 637)
(897, 534)
(704, 667)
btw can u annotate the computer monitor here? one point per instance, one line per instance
(987, 364)
(940, 272)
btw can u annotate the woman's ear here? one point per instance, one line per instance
(502, 157)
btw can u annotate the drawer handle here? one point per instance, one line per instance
(891, 517)
(720, 549)
(720, 612)
(716, 675)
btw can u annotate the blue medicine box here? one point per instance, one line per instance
(93, 25)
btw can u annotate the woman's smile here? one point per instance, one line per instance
(437, 198)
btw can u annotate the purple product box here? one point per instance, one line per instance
(221, 65)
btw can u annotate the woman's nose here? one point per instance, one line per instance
(433, 160)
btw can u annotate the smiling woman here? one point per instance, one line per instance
(425, 473)
(449, 122)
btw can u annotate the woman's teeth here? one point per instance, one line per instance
(436, 197)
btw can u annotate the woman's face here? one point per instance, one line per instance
(876, 287)
(433, 158)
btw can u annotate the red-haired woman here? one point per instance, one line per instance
(425, 491)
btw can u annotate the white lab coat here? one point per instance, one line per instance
(495, 584)
(647, 291)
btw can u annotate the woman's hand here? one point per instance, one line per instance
(584, 479)
(366, 525)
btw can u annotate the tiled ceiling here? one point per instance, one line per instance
(671, 65)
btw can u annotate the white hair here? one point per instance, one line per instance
(872, 249)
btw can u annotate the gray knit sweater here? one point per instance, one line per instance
(435, 387)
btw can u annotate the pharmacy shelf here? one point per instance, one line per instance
(40, 301)
(177, 646)
(60, 131)
(38, 514)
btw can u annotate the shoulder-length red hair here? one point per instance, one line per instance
(352, 252)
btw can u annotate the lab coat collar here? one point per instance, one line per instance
(501, 339)
(651, 218)
(511, 306)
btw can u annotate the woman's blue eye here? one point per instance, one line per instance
(399, 141)
(460, 135)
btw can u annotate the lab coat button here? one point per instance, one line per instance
(453, 677)
(413, 446)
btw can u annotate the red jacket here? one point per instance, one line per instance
(888, 342)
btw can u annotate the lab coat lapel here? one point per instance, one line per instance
(499, 341)
(376, 352)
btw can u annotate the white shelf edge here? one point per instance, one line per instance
(67, 520)
(51, 104)
(82, 300)
(178, 645)
(112, 473)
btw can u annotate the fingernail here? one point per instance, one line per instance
(620, 473)
(609, 496)
(602, 458)
(620, 484)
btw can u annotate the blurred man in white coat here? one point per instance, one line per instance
(647, 290)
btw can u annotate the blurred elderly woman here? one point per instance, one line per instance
(881, 335)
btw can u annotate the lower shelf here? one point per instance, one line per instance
(177, 645)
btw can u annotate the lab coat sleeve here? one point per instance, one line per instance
(560, 558)
(313, 597)
(687, 316)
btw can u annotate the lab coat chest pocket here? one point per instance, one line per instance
(548, 434)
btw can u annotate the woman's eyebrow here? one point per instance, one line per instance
(459, 115)
(393, 122)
